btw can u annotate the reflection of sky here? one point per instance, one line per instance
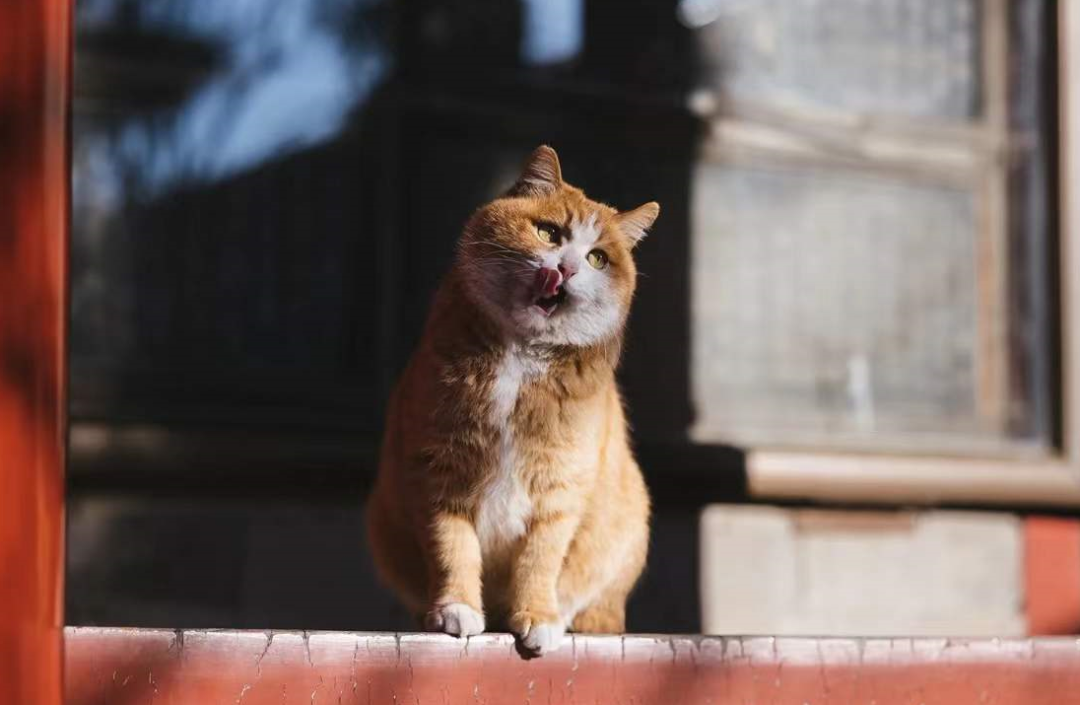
(553, 30)
(289, 80)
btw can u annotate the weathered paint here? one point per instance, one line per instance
(129, 667)
(34, 79)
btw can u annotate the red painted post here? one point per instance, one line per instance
(35, 41)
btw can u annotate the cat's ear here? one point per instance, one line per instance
(637, 222)
(541, 176)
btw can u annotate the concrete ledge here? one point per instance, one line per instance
(818, 572)
(134, 666)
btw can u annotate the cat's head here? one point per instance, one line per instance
(550, 265)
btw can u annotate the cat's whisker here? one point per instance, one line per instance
(493, 248)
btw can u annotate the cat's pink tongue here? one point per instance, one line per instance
(548, 281)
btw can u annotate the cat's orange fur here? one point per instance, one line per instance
(507, 492)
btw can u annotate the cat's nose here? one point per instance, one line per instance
(548, 281)
(567, 271)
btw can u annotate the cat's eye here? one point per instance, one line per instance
(597, 259)
(547, 233)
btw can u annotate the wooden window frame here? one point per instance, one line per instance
(971, 156)
(933, 479)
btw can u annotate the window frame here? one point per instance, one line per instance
(891, 478)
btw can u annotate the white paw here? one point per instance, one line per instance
(456, 619)
(544, 638)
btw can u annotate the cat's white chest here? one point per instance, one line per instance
(505, 505)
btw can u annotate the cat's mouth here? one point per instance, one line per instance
(550, 290)
(548, 304)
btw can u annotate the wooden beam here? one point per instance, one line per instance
(34, 75)
(131, 667)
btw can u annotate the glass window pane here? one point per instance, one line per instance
(220, 197)
(906, 57)
(837, 304)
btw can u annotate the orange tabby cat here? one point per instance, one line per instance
(507, 489)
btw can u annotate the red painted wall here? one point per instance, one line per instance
(1052, 575)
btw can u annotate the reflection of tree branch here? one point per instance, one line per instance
(176, 148)
(238, 90)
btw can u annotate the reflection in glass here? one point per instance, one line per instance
(917, 58)
(852, 310)
(289, 75)
(266, 192)
(216, 175)
(553, 31)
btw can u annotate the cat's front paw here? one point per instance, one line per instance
(456, 619)
(540, 633)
